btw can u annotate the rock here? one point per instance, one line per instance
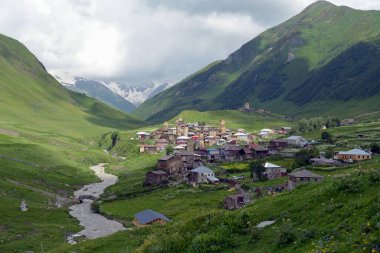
(263, 224)
(23, 206)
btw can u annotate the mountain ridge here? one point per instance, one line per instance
(270, 70)
(99, 91)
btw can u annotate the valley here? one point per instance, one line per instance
(322, 61)
(274, 149)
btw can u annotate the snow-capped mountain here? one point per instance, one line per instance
(137, 93)
(125, 97)
(97, 90)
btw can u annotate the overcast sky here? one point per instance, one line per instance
(142, 40)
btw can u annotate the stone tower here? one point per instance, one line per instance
(246, 106)
(186, 131)
(222, 126)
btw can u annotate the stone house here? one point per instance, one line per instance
(149, 149)
(236, 201)
(277, 144)
(202, 174)
(302, 176)
(260, 151)
(156, 177)
(190, 160)
(296, 141)
(273, 171)
(247, 153)
(161, 144)
(231, 153)
(171, 164)
(143, 135)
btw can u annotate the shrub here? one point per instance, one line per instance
(286, 236)
(326, 136)
(306, 235)
(213, 241)
(256, 234)
(374, 178)
(349, 185)
(375, 148)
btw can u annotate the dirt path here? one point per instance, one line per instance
(365, 114)
(94, 225)
(61, 199)
(9, 132)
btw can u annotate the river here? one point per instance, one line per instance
(94, 225)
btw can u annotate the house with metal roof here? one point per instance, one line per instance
(353, 155)
(302, 176)
(297, 141)
(202, 174)
(148, 217)
(273, 171)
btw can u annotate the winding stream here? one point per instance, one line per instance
(94, 224)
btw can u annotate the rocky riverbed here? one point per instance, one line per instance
(94, 225)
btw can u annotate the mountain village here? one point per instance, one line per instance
(247, 140)
(192, 150)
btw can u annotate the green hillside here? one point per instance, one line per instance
(48, 140)
(323, 61)
(340, 214)
(234, 119)
(31, 98)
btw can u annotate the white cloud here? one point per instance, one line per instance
(141, 40)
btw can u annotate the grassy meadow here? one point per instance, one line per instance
(234, 119)
(340, 214)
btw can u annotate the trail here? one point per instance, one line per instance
(365, 114)
(43, 192)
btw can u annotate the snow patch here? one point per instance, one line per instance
(64, 78)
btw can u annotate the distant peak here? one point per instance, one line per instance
(320, 5)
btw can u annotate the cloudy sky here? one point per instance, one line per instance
(142, 40)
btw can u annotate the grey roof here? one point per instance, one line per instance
(225, 146)
(248, 150)
(148, 216)
(354, 151)
(186, 153)
(166, 157)
(304, 173)
(235, 196)
(294, 137)
(158, 172)
(202, 169)
(271, 165)
(278, 140)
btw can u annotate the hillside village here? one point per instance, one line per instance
(195, 152)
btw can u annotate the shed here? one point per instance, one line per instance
(148, 217)
(302, 176)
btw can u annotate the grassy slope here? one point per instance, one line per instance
(324, 77)
(30, 97)
(234, 119)
(52, 143)
(336, 214)
(34, 169)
